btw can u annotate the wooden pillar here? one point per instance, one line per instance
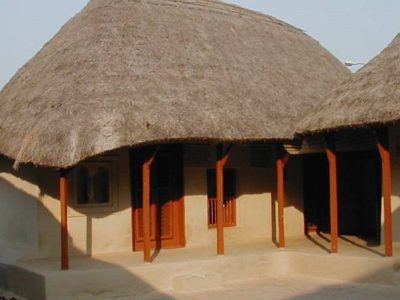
(333, 194)
(383, 148)
(146, 205)
(221, 161)
(281, 163)
(64, 219)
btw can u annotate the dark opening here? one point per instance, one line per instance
(166, 196)
(359, 194)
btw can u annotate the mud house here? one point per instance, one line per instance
(146, 125)
(180, 124)
(157, 124)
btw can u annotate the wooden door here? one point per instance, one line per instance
(166, 205)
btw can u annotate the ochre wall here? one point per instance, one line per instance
(31, 196)
(31, 210)
(97, 230)
(19, 207)
(256, 202)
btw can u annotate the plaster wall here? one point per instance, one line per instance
(30, 195)
(18, 209)
(96, 230)
(30, 210)
(256, 201)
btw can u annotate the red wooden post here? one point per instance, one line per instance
(146, 206)
(220, 202)
(280, 167)
(221, 161)
(386, 187)
(333, 199)
(133, 226)
(64, 220)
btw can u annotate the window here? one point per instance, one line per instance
(229, 198)
(92, 184)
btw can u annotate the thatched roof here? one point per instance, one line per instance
(134, 72)
(370, 97)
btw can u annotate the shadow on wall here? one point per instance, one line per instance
(255, 192)
(22, 212)
(18, 228)
(32, 196)
(396, 224)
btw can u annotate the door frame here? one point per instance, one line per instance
(178, 204)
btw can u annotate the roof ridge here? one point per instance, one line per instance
(225, 7)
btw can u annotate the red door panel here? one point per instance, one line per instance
(166, 220)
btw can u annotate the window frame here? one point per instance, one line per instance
(111, 164)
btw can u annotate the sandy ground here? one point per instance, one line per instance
(296, 287)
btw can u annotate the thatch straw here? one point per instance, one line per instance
(127, 73)
(371, 97)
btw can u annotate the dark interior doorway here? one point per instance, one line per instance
(359, 194)
(166, 193)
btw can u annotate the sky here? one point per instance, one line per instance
(352, 30)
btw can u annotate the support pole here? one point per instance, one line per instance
(383, 148)
(333, 192)
(221, 161)
(281, 163)
(64, 220)
(146, 205)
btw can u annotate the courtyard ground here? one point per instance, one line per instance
(305, 270)
(294, 287)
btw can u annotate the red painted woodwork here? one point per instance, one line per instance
(333, 198)
(222, 159)
(229, 204)
(220, 208)
(146, 207)
(229, 212)
(386, 187)
(280, 168)
(165, 211)
(64, 220)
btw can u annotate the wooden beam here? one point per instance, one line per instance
(281, 163)
(333, 192)
(383, 148)
(146, 205)
(221, 162)
(64, 220)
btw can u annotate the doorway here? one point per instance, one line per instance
(166, 197)
(359, 194)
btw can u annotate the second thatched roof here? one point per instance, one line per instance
(370, 97)
(136, 72)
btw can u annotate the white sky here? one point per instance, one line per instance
(355, 30)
